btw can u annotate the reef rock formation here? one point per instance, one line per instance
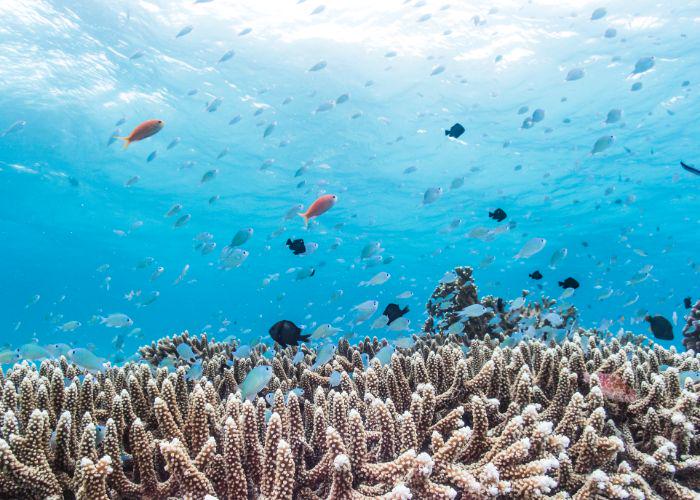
(455, 292)
(691, 330)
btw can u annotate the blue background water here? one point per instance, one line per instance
(67, 69)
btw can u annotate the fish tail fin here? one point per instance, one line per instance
(304, 338)
(561, 283)
(405, 310)
(126, 140)
(490, 214)
(447, 132)
(305, 217)
(289, 242)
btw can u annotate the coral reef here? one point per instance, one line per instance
(486, 421)
(691, 330)
(588, 417)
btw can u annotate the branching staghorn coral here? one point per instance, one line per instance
(489, 420)
(513, 422)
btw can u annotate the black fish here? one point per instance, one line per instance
(500, 305)
(394, 312)
(687, 303)
(455, 131)
(286, 333)
(297, 246)
(536, 275)
(690, 168)
(660, 327)
(569, 283)
(498, 215)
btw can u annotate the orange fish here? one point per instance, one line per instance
(318, 207)
(146, 129)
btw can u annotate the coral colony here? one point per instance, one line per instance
(459, 414)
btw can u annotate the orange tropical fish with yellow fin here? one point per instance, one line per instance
(322, 205)
(143, 131)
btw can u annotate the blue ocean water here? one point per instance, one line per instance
(350, 98)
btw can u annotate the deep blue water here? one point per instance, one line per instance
(71, 70)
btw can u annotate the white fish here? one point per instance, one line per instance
(599, 13)
(384, 354)
(568, 292)
(311, 247)
(325, 330)
(431, 195)
(371, 249)
(487, 261)
(456, 328)
(241, 237)
(633, 300)
(474, 311)
(378, 279)
(575, 74)
(448, 277)
(480, 233)
(232, 257)
(156, 274)
(334, 379)
(293, 211)
(602, 144)
(184, 31)
(675, 318)
(86, 359)
(298, 357)
(69, 326)
(32, 301)
(185, 352)
(639, 277)
(614, 116)
(325, 106)
(33, 351)
(227, 56)
(182, 274)
(380, 322)
(318, 66)
(255, 381)
(400, 324)
(305, 272)
(324, 355)
(404, 342)
(405, 295)
(606, 295)
(533, 246)
(643, 64)
(557, 257)
(15, 127)
(214, 104)
(116, 320)
(269, 129)
(365, 310)
(9, 357)
(517, 303)
(553, 318)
